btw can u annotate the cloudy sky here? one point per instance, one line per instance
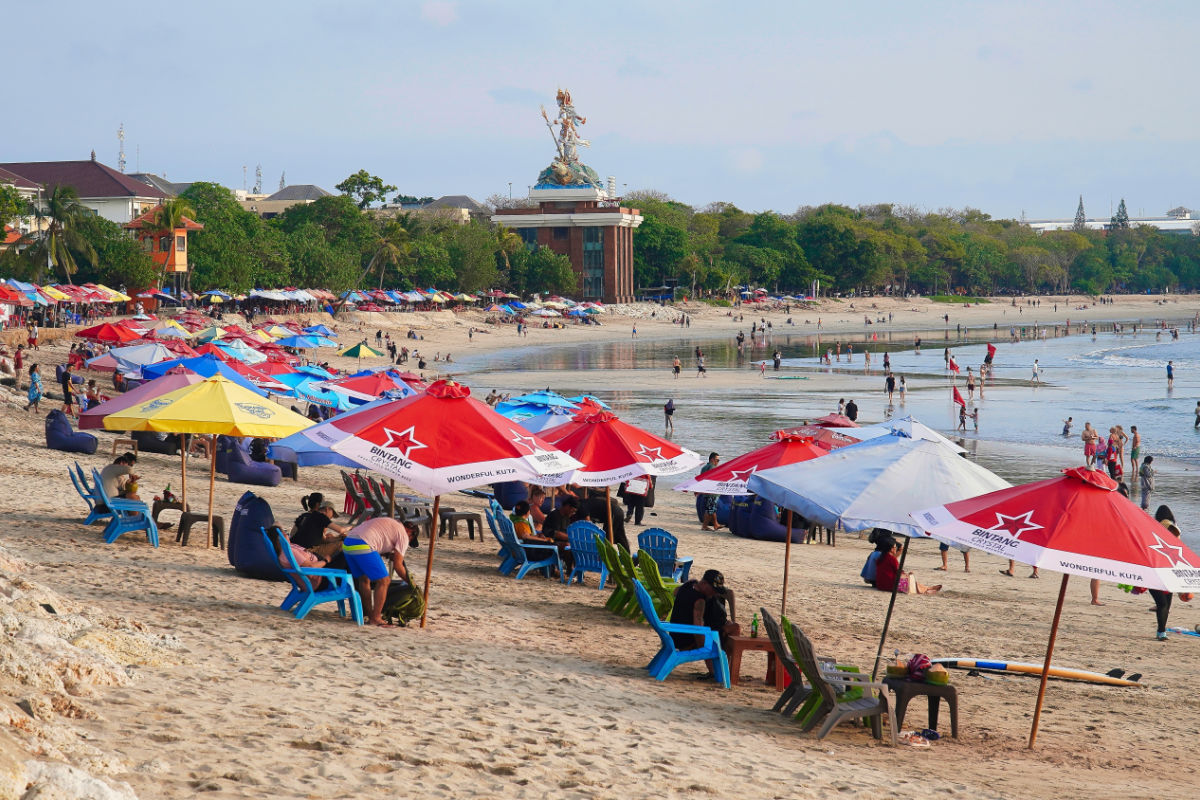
(1012, 107)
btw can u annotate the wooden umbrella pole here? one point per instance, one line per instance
(887, 620)
(608, 510)
(1037, 711)
(183, 439)
(787, 560)
(437, 500)
(212, 484)
(392, 498)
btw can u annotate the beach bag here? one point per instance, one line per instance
(402, 603)
(918, 665)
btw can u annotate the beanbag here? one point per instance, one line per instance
(248, 552)
(509, 493)
(155, 442)
(762, 523)
(61, 436)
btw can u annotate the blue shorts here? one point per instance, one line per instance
(363, 561)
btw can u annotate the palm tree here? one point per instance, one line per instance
(56, 218)
(163, 219)
(391, 246)
(507, 241)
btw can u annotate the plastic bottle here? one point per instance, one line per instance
(754, 626)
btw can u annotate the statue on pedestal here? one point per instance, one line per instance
(567, 169)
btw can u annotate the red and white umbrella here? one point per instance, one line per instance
(828, 438)
(368, 387)
(613, 450)
(835, 421)
(1076, 524)
(730, 478)
(442, 441)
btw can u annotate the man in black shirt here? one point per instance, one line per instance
(702, 602)
(852, 411)
(556, 522)
(311, 527)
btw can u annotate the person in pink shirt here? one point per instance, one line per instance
(365, 547)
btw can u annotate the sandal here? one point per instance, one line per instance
(1007, 572)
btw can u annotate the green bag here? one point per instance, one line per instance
(402, 603)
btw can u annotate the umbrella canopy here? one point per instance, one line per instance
(829, 438)
(210, 349)
(580, 399)
(177, 379)
(368, 387)
(132, 358)
(214, 405)
(320, 330)
(242, 351)
(544, 398)
(361, 350)
(210, 334)
(906, 426)
(303, 449)
(442, 441)
(835, 421)
(730, 478)
(548, 420)
(107, 332)
(202, 365)
(1077, 523)
(612, 451)
(299, 342)
(875, 484)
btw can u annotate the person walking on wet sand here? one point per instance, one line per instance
(890, 386)
(676, 367)
(1146, 479)
(669, 413)
(1037, 373)
(1170, 374)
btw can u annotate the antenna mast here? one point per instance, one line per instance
(121, 144)
(258, 179)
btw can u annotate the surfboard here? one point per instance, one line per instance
(1061, 673)
(1184, 631)
(788, 377)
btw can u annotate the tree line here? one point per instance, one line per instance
(900, 249)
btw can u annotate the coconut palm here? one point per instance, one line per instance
(163, 219)
(507, 241)
(56, 217)
(390, 247)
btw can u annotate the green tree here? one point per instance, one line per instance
(60, 244)
(1080, 218)
(120, 259)
(365, 188)
(391, 248)
(12, 205)
(1120, 220)
(548, 272)
(507, 241)
(223, 255)
(318, 262)
(472, 256)
(431, 262)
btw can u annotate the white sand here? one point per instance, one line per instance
(530, 689)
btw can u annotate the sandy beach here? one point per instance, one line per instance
(162, 673)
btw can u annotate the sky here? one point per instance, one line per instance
(1009, 107)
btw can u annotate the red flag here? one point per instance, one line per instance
(953, 366)
(958, 397)
(991, 350)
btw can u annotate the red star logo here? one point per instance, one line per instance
(1171, 552)
(404, 441)
(524, 440)
(649, 453)
(742, 475)
(1015, 525)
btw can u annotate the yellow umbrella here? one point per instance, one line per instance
(279, 332)
(213, 406)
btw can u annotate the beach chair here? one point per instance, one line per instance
(358, 508)
(507, 562)
(362, 486)
(662, 594)
(95, 511)
(379, 496)
(834, 710)
(661, 546)
(795, 692)
(669, 656)
(527, 556)
(582, 538)
(302, 597)
(623, 601)
(128, 515)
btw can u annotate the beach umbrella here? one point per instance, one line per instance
(370, 386)
(210, 334)
(179, 348)
(206, 366)
(835, 421)
(579, 399)
(108, 332)
(94, 416)
(242, 351)
(1076, 524)
(547, 420)
(210, 349)
(214, 406)
(320, 330)
(442, 441)
(730, 478)
(829, 438)
(130, 359)
(298, 342)
(360, 351)
(905, 426)
(304, 451)
(873, 484)
(612, 451)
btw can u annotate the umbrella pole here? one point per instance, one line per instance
(212, 483)
(183, 440)
(608, 509)
(437, 500)
(887, 620)
(787, 560)
(1037, 711)
(392, 497)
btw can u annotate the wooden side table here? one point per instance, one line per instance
(129, 443)
(739, 645)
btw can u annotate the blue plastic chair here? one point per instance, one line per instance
(303, 596)
(582, 538)
(128, 515)
(527, 556)
(669, 657)
(95, 513)
(507, 562)
(661, 546)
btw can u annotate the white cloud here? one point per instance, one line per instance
(440, 12)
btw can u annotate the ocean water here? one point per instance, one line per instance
(1107, 380)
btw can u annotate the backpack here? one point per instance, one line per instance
(403, 603)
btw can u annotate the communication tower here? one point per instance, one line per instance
(258, 179)
(121, 146)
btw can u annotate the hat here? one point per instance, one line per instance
(716, 580)
(328, 505)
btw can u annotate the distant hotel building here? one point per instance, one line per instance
(1178, 220)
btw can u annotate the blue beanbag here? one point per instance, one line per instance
(61, 436)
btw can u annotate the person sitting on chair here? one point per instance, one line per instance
(118, 478)
(316, 531)
(702, 602)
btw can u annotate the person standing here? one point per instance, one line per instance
(962, 418)
(852, 411)
(1037, 373)
(1170, 374)
(700, 370)
(676, 366)
(890, 386)
(32, 339)
(1067, 427)
(1197, 425)
(34, 395)
(1089, 437)
(1146, 479)
(1135, 446)
(68, 390)
(970, 384)
(669, 414)
(903, 390)
(777, 357)
(708, 520)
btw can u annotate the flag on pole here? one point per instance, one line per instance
(958, 397)
(991, 353)
(953, 365)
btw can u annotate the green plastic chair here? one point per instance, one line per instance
(662, 595)
(632, 610)
(811, 711)
(623, 596)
